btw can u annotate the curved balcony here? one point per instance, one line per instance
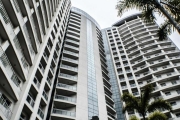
(68, 69)
(59, 114)
(71, 48)
(65, 89)
(64, 102)
(70, 54)
(69, 61)
(71, 79)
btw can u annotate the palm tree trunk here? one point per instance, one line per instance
(172, 21)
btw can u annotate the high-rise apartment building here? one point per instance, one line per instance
(139, 58)
(57, 64)
(31, 37)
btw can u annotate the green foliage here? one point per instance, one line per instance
(134, 118)
(156, 115)
(149, 7)
(143, 104)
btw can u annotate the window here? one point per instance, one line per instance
(158, 76)
(178, 115)
(174, 82)
(5, 100)
(163, 84)
(168, 93)
(178, 91)
(154, 69)
(173, 103)
(140, 83)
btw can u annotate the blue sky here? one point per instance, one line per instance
(104, 12)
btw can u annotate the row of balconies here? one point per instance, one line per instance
(65, 98)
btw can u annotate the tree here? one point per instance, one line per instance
(143, 105)
(170, 9)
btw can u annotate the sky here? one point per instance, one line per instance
(105, 13)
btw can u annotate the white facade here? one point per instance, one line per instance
(31, 38)
(140, 58)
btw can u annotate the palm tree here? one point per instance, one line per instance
(143, 105)
(170, 9)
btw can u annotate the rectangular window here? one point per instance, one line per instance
(168, 93)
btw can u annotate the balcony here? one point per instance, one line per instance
(71, 54)
(68, 78)
(40, 113)
(71, 48)
(70, 60)
(69, 67)
(65, 98)
(69, 87)
(111, 116)
(9, 77)
(62, 114)
(72, 42)
(30, 100)
(4, 108)
(64, 102)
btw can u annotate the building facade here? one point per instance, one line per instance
(139, 58)
(53, 63)
(31, 37)
(57, 64)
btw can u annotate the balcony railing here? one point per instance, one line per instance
(71, 47)
(68, 76)
(4, 107)
(65, 98)
(30, 100)
(71, 60)
(69, 67)
(45, 95)
(9, 69)
(40, 113)
(110, 104)
(72, 41)
(72, 53)
(66, 86)
(64, 112)
(111, 115)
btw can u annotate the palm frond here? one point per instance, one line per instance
(157, 116)
(148, 14)
(159, 104)
(164, 31)
(131, 101)
(134, 118)
(125, 5)
(128, 107)
(146, 95)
